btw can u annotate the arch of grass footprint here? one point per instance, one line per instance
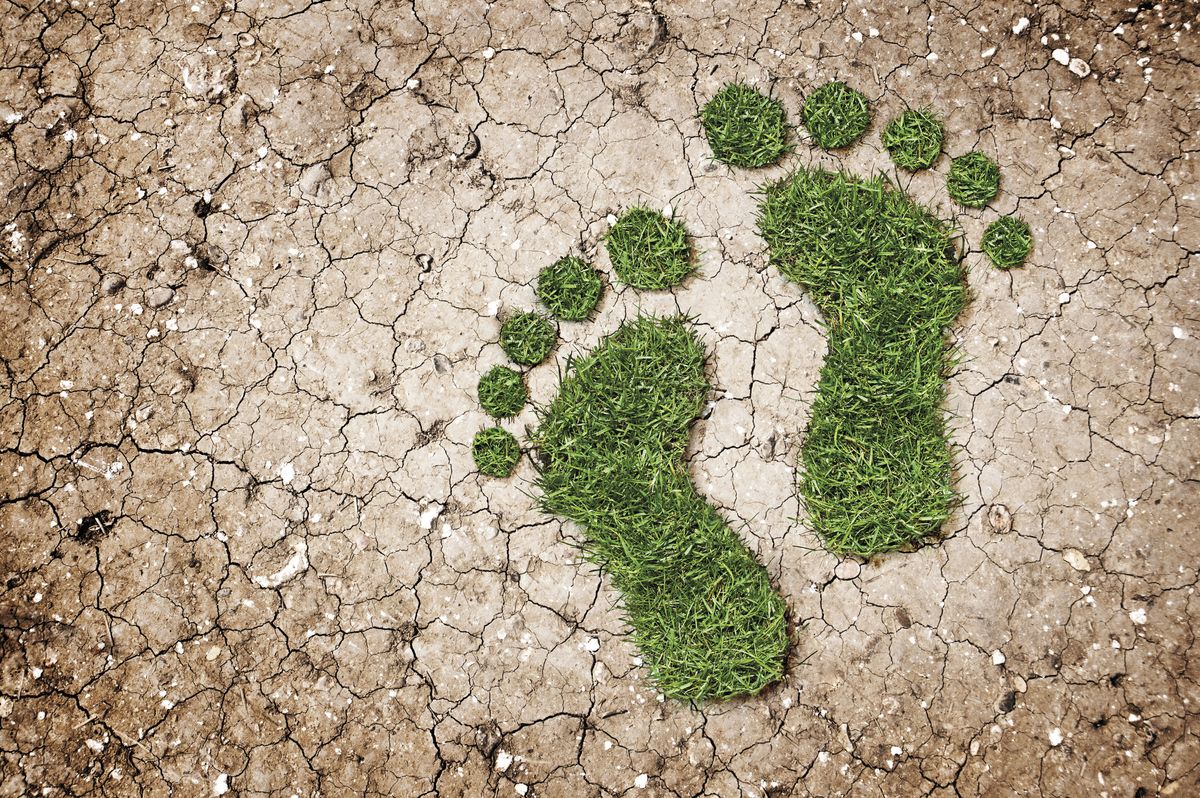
(704, 615)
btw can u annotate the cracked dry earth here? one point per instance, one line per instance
(254, 256)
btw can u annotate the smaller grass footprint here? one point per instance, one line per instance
(704, 615)
(611, 452)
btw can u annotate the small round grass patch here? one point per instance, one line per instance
(527, 338)
(649, 251)
(836, 115)
(502, 392)
(914, 139)
(496, 452)
(974, 179)
(745, 127)
(1007, 242)
(569, 288)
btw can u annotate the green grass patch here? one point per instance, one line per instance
(885, 275)
(612, 446)
(914, 139)
(496, 452)
(836, 115)
(502, 392)
(1007, 242)
(648, 250)
(745, 127)
(569, 288)
(974, 180)
(527, 338)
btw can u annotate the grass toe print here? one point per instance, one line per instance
(704, 615)
(974, 180)
(502, 392)
(648, 250)
(745, 127)
(569, 288)
(527, 338)
(914, 139)
(883, 272)
(1007, 242)
(836, 115)
(495, 451)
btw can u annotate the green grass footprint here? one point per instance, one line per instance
(611, 456)
(876, 462)
(702, 609)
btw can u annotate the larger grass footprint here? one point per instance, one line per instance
(876, 460)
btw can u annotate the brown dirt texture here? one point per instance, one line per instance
(254, 257)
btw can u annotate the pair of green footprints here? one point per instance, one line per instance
(876, 460)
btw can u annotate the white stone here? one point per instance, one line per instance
(1076, 559)
(1056, 737)
(296, 565)
(1061, 56)
(429, 515)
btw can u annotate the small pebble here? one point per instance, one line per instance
(847, 569)
(999, 519)
(1076, 559)
(111, 284)
(159, 297)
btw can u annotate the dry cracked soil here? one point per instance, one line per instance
(254, 255)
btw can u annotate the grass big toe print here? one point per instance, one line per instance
(876, 465)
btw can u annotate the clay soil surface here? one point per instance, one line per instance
(255, 257)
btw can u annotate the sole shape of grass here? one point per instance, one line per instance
(877, 460)
(612, 458)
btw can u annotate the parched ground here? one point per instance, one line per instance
(254, 256)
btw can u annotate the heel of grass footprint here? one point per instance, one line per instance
(612, 447)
